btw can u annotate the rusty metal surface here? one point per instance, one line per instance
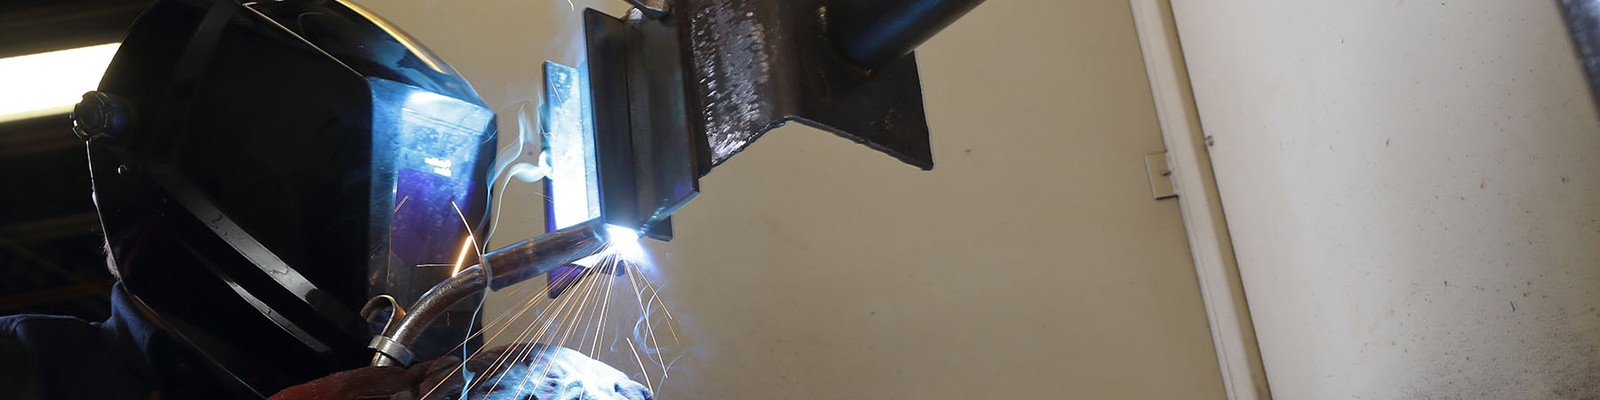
(755, 65)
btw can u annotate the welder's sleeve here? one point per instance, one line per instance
(19, 371)
(54, 357)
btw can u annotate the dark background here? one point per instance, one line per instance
(51, 257)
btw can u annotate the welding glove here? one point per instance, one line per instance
(374, 382)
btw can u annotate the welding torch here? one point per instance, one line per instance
(497, 269)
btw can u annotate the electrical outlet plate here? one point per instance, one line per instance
(1161, 187)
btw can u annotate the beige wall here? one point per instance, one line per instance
(1412, 191)
(1031, 263)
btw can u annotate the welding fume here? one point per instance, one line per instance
(296, 195)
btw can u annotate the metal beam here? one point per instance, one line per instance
(39, 26)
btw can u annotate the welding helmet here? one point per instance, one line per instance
(264, 169)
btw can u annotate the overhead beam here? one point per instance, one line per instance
(39, 26)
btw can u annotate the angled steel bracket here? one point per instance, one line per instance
(670, 92)
(755, 65)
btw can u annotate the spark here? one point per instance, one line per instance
(465, 246)
(655, 291)
(522, 348)
(650, 326)
(470, 239)
(641, 366)
(604, 271)
(559, 305)
(578, 317)
(604, 307)
(491, 338)
(572, 314)
(517, 315)
(496, 334)
(579, 314)
(571, 321)
(402, 203)
(511, 350)
(504, 357)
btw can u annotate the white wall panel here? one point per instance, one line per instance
(1413, 190)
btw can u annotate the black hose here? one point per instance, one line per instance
(875, 33)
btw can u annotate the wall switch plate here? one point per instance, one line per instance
(1160, 176)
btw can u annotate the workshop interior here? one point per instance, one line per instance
(950, 199)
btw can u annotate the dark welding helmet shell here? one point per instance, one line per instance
(263, 169)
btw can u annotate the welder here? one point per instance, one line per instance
(274, 179)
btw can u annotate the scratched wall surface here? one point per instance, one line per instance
(1413, 190)
(1030, 263)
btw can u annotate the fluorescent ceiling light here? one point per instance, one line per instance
(51, 82)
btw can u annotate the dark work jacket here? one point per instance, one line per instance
(124, 357)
